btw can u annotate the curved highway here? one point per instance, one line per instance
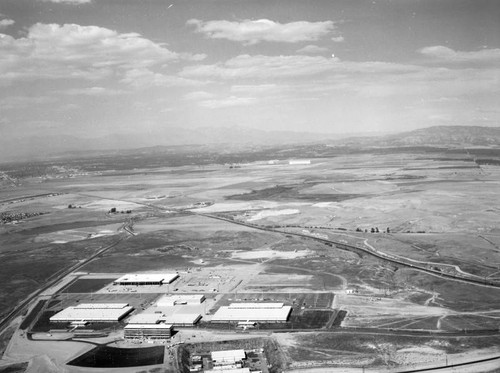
(353, 248)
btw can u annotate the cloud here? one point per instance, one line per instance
(312, 49)
(228, 102)
(445, 54)
(260, 66)
(254, 88)
(67, 1)
(52, 51)
(338, 39)
(18, 102)
(94, 91)
(252, 32)
(198, 95)
(4, 23)
(293, 66)
(145, 78)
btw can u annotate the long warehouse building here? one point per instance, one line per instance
(257, 312)
(146, 279)
(93, 312)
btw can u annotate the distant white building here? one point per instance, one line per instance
(253, 312)
(146, 279)
(299, 162)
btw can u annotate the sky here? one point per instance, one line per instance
(91, 68)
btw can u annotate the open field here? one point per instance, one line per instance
(439, 208)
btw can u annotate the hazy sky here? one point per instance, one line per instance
(95, 67)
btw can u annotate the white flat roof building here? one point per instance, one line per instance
(102, 306)
(181, 319)
(145, 318)
(157, 331)
(146, 279)
(256, 305)
(103, 314)
(180, 299)
(235, 313)
(228, 356)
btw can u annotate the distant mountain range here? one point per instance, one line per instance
(446, 136)
(228, 139)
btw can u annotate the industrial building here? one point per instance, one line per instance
(145, 318)
(176, 319)
(253, 312)
(228, 357)
(180, 299)
(182, 319)
(93, 312)
(146, 279)
(149, 331)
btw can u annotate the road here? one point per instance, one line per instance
(20, 306)
(352, 248)
(490, 364)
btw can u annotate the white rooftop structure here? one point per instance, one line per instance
(255, 305)
(103, 314)
(229, 370)
(149, 331)
(145, 318)
(179, 319)
(101, 306)
(228, 356)
(180, 299)
(234, 312)
(148, 326)
(146, 279)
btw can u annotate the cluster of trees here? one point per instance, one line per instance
(373, 230)
(114, 211)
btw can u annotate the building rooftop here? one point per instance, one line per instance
(101, 306)
(181, 318)
(148, 277)
(91, 314)
(148, 326)
(145, 318)
(256, 305)
(252, 314)
(234, 355)
(173, 299)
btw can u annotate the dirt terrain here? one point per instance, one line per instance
(263, 229)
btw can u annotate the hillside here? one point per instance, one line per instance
(446, 136)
